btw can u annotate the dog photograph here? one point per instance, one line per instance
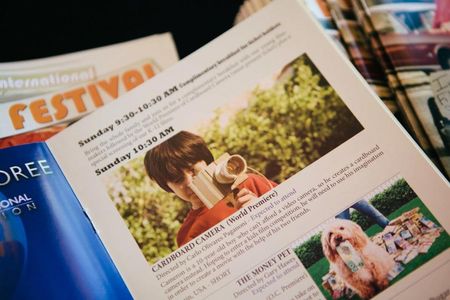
(362, 265)
(224, 159)
(374, 243)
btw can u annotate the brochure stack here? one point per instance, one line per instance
(262, 166)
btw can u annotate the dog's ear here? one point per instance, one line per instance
(360, 237)
(326, 246)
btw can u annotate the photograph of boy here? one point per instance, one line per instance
(174, 163)
(263, 135)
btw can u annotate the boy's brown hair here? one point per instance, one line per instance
(167, 161)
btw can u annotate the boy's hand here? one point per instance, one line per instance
(243, 198)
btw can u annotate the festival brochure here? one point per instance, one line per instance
(40, 97)
(48, 247)
(318, 8)
(339, 21)
(320, 11)
(260, 166)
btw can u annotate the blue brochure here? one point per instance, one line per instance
(48, 247)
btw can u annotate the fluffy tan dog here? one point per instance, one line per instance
(368, 279)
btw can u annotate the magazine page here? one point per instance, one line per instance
(416, 36)
(48, 247)
(339, 22)
(40, 97)
(210, 180)
(360, 51)
(318, 8)
(440, 105)
(409, 116)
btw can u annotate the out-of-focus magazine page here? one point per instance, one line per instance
(261, 166)
(41, 97)
(416, 36)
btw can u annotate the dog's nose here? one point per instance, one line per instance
(338, 239)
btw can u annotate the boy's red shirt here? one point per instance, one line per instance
(199, 220)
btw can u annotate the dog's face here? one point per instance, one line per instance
(338, 232)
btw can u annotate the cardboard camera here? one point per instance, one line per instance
(220, 179)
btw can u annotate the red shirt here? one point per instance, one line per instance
(199, 220)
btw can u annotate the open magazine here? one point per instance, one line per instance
(41, 97)
(367, 53)
(261, 166)
(339, 21)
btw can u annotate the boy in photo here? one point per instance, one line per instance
(173, 164)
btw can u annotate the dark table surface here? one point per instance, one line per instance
(35, 29)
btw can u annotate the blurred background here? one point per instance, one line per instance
(35, 29)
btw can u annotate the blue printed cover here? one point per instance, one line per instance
(48, 247)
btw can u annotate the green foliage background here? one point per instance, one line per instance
(287, 127)
(152, 215)
(388, 201)
(282, 130)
